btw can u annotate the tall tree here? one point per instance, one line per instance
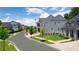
(74, 11)
(42, 32)
(4, 34)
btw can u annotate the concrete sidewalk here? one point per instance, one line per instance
(68, 46)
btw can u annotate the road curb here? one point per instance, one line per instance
(40, 42)
(15, 45)
(13, 42)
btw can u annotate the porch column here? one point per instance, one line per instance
(69, 33)
(75, 34)
(64, 32)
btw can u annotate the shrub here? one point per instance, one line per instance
(66, 37)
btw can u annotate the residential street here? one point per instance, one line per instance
(25, 44)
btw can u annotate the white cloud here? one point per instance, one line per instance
(54, 8)
(8, 14)
(61, 13)
(27, 21)
(7, 19)
(57, 9)
(44, 8)
(44, 15)
(34, 10)
(62, 9)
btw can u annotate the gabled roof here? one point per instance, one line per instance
(7, 24)
(50, 16)
(15, 23)
(59, 17)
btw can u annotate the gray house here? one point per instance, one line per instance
(14, 26)
(52, 24)
(72, 28)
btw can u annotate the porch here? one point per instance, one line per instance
(72, 32)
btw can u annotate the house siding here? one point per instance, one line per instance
(52, 24)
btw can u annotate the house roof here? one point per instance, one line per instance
(50, 16)
(59, 17)
(13, 22)
(7, 24)
(75, 19)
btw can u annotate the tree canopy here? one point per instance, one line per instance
(4, 33)
(74, 11)
(30, 29)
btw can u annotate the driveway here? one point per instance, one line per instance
(69, 46)
(25, 44)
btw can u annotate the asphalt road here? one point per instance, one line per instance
(25, 44)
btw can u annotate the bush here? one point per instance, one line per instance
(61, 35)
(66, 37)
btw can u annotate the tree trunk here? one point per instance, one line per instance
(3, 45)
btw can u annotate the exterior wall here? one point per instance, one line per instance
(14, 26)
(52, 24)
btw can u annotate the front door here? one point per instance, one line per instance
(78, 34)
(71, 33)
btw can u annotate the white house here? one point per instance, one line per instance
(52, 24)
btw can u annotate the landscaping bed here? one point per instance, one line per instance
(37, 39)
(54, 37)
(8, 46)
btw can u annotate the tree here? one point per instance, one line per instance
(31, 30)
(27, 28)
(20, 28)
(0, 23)
(42, 32)
(74, 11)
(4, 34)
(66, 16)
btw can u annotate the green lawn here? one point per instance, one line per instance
(44, 42)
(54, 37)
(8, 46)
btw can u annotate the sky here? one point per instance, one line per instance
(30, 15)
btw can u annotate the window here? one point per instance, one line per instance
(72, 24)
(46, 22)
(55, 23)
(58, 21)
(58, 29)
(51, 19)
(38, 24)
(51, 28)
